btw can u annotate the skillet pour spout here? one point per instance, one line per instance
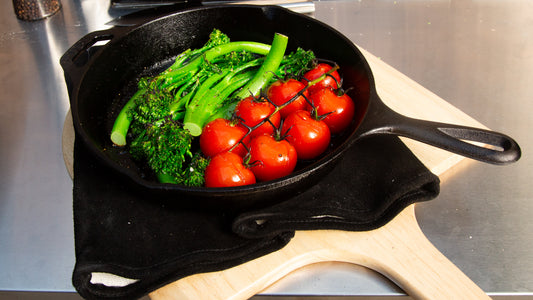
(95, 75)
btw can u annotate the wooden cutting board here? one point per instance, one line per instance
(398, 250)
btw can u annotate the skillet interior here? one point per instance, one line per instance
(115, 68)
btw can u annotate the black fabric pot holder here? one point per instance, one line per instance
(129, 243)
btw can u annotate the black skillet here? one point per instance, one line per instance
(99, 79)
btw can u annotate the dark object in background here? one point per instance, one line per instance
(147, 3)
(32, 10)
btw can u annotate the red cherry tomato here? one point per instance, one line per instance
(340, 109)
(310, 137)
(253, 111)
(221, 135)
(227, 169)
(332, 81)
(270, 158)
(282, 91)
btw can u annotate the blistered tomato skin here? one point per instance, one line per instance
(221, 135)
(227, 169)
(309, 137)
(270, 158)
(281, 91)
(253, 111)
(331, 81)
(338, 109)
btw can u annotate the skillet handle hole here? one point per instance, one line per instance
(89, 48)
(486, 139)
(484, 145)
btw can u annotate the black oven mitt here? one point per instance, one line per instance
(121, 230)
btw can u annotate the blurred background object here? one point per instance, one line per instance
(31, 10)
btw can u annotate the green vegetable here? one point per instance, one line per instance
(203, 106)
(189, 67)
(193, 175)
(161, 119)
(295, 64)
(164, 147)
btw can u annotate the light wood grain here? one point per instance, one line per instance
(398, 250)
(67, 144)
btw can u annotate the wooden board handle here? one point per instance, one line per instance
(398, 250)
(402, 253)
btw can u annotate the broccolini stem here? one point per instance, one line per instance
(182, 101)
(178, 62)
(237, 82)
(227, 110)
(268, 68)
(209, 55)
(206, 86)
(218, 94)
(166, 178)
(207, 102)
(254, 47)
(188, 87)
(123, 120)
(197, 114)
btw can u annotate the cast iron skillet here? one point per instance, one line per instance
(95, 75)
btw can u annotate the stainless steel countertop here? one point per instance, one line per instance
(478, 55)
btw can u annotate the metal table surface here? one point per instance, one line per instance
(478, 55)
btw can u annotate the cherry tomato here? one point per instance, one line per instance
(340, 109)
(332, 81)
(282, 91)
(310, 137)
(221, 135)
(270, 158)
(253, 111)
(227, 169)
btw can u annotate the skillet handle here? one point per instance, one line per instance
(76, 59)
(496, 148)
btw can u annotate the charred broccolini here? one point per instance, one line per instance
(168, 110)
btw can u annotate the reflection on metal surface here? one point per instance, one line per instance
(35, 190)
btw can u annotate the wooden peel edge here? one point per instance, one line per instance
(67, 144)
